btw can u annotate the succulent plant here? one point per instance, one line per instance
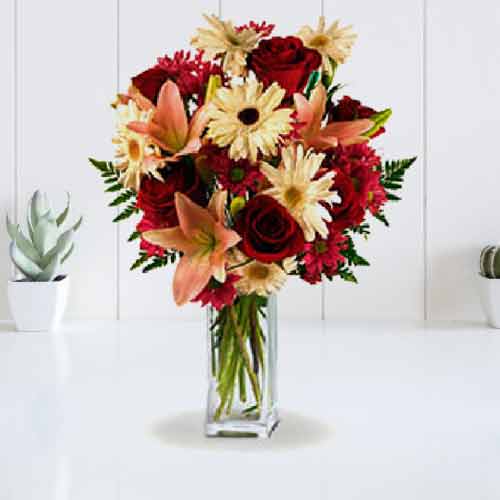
(40, 256)
(489, 262)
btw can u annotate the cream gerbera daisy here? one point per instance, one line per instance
(335, 42)
(223, 38)
(135, 154)
(247, 120)
(263, 279)
(295, 187)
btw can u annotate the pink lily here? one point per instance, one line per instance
(169, 127)
(203, 238)
(310, 114)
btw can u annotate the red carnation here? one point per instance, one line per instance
(268, 231)
(189, 73)
(285, 61)
(324, 256)
(237, 177)
(151, 249)
(349, 109)
(356, 181)
(217, 294)
(263, 29)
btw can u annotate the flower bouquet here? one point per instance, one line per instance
(246, 168)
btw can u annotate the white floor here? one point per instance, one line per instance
(389, 411)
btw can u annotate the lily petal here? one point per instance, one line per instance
(198, 123)
(191, 276)
(227, 238)
(171, 238)
(192, 217)
(139, 127)
(318, 103)
(170, 116)
(346, 131)
(217, 205)
(305, 113)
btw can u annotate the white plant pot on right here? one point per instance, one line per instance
(38, 306)
(489, 293)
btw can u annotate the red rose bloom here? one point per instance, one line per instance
(237, 177)
(284, 60)
(156, 198)
(268, 231)
(217, 294)
(190, 74)
(323, 256)
(349, 109)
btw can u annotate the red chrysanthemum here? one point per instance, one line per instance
(324, 256)
(190, 74)
(237, 177)
(356, 181)
(263, 29)
(348, 109)
(218, 294)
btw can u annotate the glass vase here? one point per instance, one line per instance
(242, 348)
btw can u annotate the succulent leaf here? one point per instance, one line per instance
(62, 216)
(68, 253)
(50, 272)
(45, 233)
(23, 244)
(77, 224)
(62, 246)
(30, 269)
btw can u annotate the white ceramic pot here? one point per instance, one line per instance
(38, 306)
(489, 292)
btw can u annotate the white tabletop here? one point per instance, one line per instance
(389, 411)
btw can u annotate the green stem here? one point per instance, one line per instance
(246, 359)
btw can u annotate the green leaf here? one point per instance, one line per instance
(312, 82)
(352, 256)
(143, 258)
(127, 212)
(113, 188)
(379, 120)
(381, 217)
(122, 198)
(393, 175)
(134, 236)
(100, 165)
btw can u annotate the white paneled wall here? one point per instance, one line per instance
(432, 61)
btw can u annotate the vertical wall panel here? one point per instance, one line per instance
(141, 43)
(7, 124)
(297, 299)
(67, 78)
(386, 71)
(463, 168)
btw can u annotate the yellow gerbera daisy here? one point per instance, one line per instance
(135, 154)
(335, 42)
(263, 279)
(247, 120)
(295, 187)
(223, 38)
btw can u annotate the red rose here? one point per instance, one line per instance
(149, 82)
(349, 109)
(156, 198)
(268, 231)
(284, 60)
(151, 249)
